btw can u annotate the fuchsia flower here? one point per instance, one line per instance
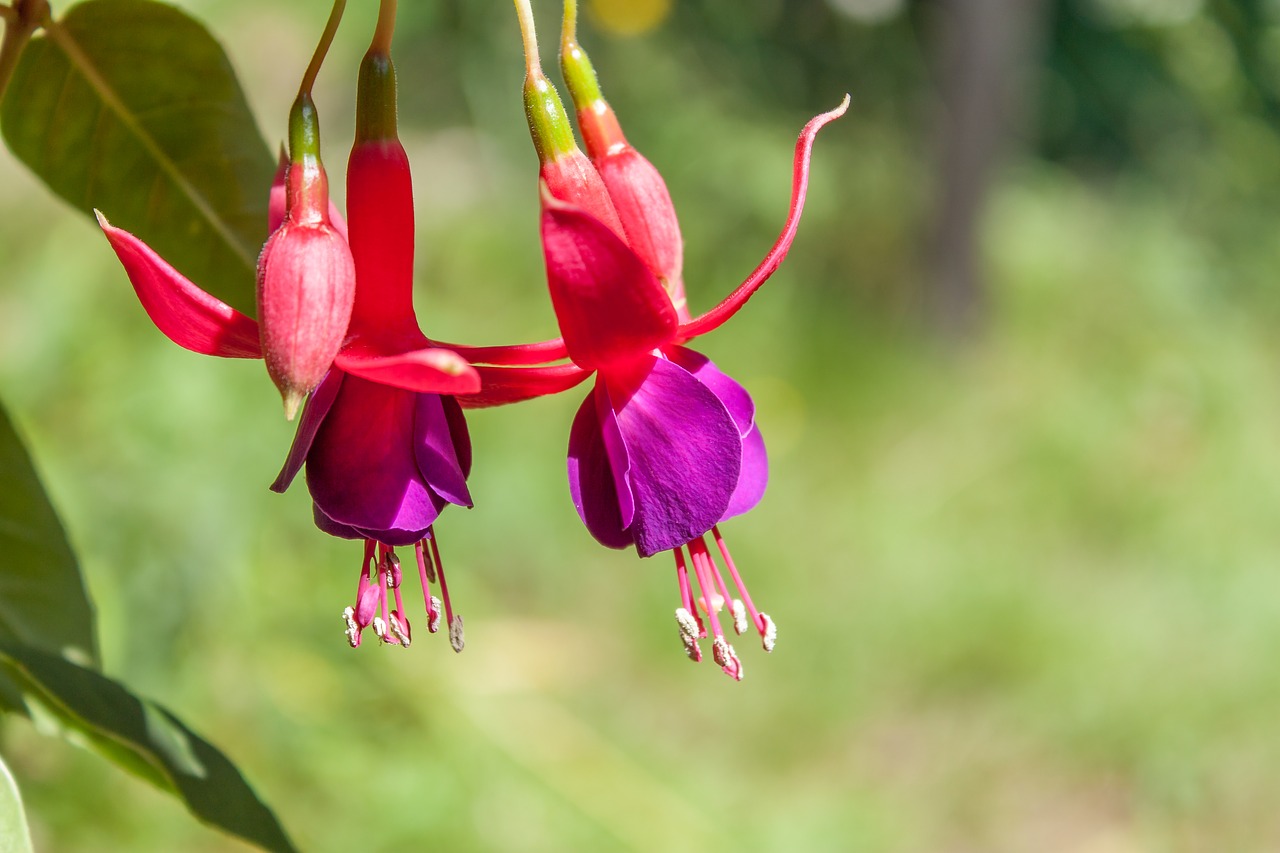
(665, 447)
(384, 442)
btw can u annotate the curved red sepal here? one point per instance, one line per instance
(523, 354)
(799, 187)
(503, 385)
(609, 304)
(430, 370)
(186, 315)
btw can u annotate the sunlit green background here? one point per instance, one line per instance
(1027, 581)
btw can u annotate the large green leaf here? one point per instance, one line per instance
(43, 602)
(131, 107)
(14, 835)
(145, 739)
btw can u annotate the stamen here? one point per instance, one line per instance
(353, 630)
(689, 634)
(380, 628)
(444, 593)
(399, 627)
(427, 574)
(739, 617)
(394, 574)
(457, 638)
(686, 592)
(770, 635)
(425, 565)
(433, 614)
(715, 571)
(700, 560)
(727, 658)
(764, 625)
(365, 603)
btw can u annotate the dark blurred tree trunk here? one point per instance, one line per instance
(984, 54)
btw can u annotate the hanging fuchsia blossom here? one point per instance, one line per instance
(665, 447)
(384, 442)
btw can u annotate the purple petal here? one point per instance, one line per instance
(312, 416)
(754, 477)
(735, 398)
(616, 451)
(591, 480)
(434, 448)
(333, 528)
(398, 538)
(684, 448)
(362, 469)
(458, 430)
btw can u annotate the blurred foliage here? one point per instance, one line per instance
(1027, 589)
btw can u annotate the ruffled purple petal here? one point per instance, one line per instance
(362, 470)
(684, 448)
(591, 479)
(754, 477)
(312, 416)
(434, 448)
(735, 398)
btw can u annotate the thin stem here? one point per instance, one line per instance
(532, 64)
(569, 29)
(322, 48)
(386, 27)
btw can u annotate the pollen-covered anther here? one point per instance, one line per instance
(768, 632)
(353, 630)
(433, 615)
(399, 628)
(724, 655)
(739, 616)
(380, 628)
(689, 633)
(457, 638)
(393, 573)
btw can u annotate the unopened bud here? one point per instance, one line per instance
(306, 276)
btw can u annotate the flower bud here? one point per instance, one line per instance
(306, 277)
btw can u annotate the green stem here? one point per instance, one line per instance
(322, 48)
(386, 27)
(569, 29)
(532, 64)
(20, 21)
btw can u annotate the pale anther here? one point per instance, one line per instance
(433, 615)
(353, 630)
(769, 635)
(456, 638)
(739, 616)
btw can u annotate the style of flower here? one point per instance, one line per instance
(665, 446)
(384, 443)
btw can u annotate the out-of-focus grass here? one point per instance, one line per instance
(1027, 591)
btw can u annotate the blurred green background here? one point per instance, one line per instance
(1020, 384)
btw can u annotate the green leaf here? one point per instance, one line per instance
(131, 107)
(145, 739)
(15, 837)
(43, 602)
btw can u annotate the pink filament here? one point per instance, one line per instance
(444, 586)
(737, 580)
